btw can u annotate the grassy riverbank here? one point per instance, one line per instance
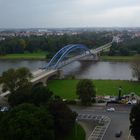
(117, 58)
(42, 55)
(32, 56)
(67, 88)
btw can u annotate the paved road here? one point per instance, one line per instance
(119, 120)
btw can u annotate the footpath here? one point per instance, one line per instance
(102, 123)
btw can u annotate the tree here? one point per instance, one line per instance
(40, 95)
(22, 43)
(86, 91)
(37, 95)
(64, 118)
(27, 122)
(13, 79)
(135, 66)
(20, 96)
(135, 121)
(124, 51)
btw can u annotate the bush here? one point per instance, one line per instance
(27, 122)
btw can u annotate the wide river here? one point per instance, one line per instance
(88, 69)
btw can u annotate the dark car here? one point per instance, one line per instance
(118, 134)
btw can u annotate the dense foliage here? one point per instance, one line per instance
(13, 80)
(64, 118)
(51, 44)
(86, 91)
(27, 122)
(36, 114)
(135, 121)
(125, 48)
(38, 96)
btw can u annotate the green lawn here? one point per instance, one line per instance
(77, 133)
(34, 55)
(117, 58)
(67, 88)
(42, 55)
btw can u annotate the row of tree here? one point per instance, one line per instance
(126, 48)
(51, 44)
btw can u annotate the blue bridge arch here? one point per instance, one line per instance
(63, 52)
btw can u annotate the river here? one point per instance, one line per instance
(82, 69)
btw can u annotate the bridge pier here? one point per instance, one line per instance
(96, 57)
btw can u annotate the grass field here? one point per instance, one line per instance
(67, 88)
(77, 133)
(42, 55)
(35, 55)
(117, 58)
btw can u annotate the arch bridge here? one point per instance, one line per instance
(61, 58)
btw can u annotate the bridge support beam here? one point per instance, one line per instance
(96, 57)
(44, 79)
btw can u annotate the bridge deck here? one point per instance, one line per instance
(41, 74)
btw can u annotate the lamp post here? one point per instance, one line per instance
(120, 91)
(76, 128)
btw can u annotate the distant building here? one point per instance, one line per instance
(2, 38)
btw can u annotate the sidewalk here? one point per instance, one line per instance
(97, 132)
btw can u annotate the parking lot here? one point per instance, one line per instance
(119, 119)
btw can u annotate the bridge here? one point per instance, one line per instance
(62, 58)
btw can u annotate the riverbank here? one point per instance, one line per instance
(42, 56)
(25, 56)
(117, 58)
(67, 88)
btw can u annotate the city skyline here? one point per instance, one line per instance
(64, 13)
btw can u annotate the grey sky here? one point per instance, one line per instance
(69, 13)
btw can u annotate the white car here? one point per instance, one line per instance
(112, 109)
(4, 109)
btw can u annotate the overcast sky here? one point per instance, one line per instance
(69, 13)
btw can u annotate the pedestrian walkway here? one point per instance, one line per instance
(100, 129)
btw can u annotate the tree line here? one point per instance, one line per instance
(51, 44)
(126, 48)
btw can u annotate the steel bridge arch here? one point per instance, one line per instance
(64, 52)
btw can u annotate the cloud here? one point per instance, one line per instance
(124, 16)
(69, 13)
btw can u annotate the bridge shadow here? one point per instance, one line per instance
(78, 67)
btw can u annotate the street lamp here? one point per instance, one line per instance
(76, 128)
(120, 91)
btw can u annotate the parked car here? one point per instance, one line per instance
(118, 134)
(4, 109)
(112, 109)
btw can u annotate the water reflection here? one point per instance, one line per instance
(81, 69)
